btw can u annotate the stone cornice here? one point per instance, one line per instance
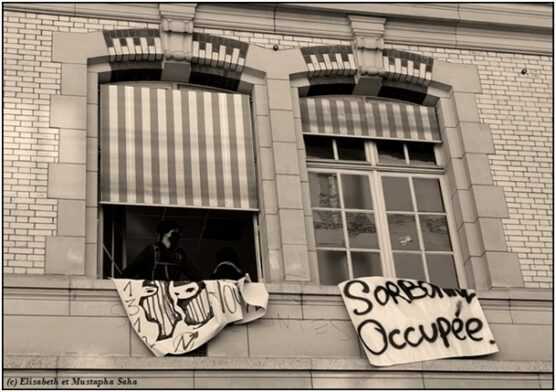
(521, 28)
(178, 11)
(533, 16)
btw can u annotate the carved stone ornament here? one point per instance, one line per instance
(177, 39)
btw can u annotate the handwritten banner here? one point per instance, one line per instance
(174, 317)
(405, 320)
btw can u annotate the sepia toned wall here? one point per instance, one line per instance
(61, 320)
(305, 340)
(516, 107)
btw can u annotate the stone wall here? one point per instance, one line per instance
(305, 340)
(516, 106)
(30, 144)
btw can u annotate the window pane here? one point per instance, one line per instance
(361, 230)
(435, 232)
(328, 228)
(324, 190)
(318, 147)
(390, 152)
(421, 154)
(409, 265)
(403, 232)
(332, 267)
(397, 194)
(356, 191)
(442, 270)
(428, 195)
(366, 264)
(351, 149)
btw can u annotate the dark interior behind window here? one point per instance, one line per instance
(318, 147)
(129, 229)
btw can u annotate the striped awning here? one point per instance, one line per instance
(369, 118)
(178, 148)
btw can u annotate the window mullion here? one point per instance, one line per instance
(384, 233)
(344, 224)
(370, 150)
(418, 225)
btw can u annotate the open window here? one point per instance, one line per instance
(184, 155)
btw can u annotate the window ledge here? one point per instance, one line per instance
(246, 363)
(86, 283)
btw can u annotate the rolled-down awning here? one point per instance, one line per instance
(369, 118)
(176, 148)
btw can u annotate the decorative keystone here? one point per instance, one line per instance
(368, 42)
(368, 51)
(177, 39)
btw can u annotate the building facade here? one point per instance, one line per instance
(336, 141)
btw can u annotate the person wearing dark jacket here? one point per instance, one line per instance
(163, 260)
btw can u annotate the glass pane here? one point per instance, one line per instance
(442, 270)
(324, 190)
(403, 232)
(397, 194)
(328, 228)
(428, 195)
(421, 154)
(351, 149)
(390, 152)
(409, 265)
(318, 147)
(361, 230)
(366, 264)
(357, 193)
(332, 267)
(435, 232)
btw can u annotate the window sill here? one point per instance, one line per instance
(86, 283)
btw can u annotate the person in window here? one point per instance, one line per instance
(227, 266)
(163, 260)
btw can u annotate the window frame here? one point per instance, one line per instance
(375, 171)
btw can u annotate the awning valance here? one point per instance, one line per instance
(180, 148)
(369, 118)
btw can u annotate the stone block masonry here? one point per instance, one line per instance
(517, 108)
(30, 144)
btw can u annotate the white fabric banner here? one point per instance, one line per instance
(406, 320)
(174, 317)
